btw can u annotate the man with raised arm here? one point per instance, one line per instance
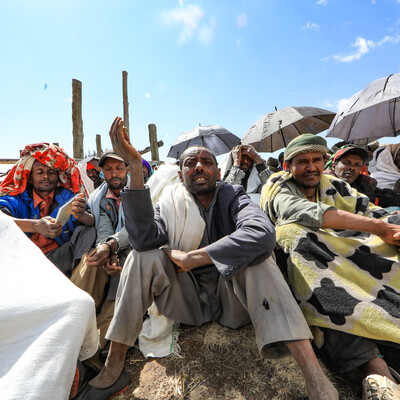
(344, 263)
(216, 265)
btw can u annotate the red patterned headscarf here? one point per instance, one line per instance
(51, 155)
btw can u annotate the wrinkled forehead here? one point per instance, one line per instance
(307, 156)
(197, 152)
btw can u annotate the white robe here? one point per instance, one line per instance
(46, 322)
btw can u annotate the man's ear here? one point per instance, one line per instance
(180, 176)
(219, 174)
(286, 166)
(334, 164)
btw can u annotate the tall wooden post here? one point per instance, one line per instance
(153, 142)
(77, 124)
(125, 99)
(99, 151)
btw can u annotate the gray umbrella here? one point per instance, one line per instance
(275, 130)
(216, 138)
(371, 113)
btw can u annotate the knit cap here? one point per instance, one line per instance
(306, 143)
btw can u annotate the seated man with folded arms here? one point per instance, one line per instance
(344, 263)
(347, 164)
(217, 266)
(43, 180)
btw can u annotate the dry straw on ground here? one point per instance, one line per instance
(219, 363)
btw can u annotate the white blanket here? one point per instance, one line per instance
(46, 322)
(386, 171)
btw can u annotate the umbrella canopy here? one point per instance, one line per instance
(214, 137)
(371, 113)
(275, 130)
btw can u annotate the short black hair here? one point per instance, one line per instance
(181, 157)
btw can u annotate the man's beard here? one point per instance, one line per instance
(116, 186)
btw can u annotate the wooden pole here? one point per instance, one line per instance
(77, 124)
(98, 146)
(153, 142)
(160, 143)
(125, 99)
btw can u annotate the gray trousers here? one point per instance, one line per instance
(257, 294)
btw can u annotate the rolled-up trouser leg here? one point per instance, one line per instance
(146, 276)
(264, 294)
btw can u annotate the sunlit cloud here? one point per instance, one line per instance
(363, 46)
(322, 2)
(206, 32)
(191, 18)
(242, 20)
(310, 26)
(147, 95)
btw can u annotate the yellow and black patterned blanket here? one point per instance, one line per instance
(343, 280)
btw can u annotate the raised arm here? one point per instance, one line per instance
(123, 147)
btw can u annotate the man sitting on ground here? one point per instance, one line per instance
(245, 167)
(99, 274)
(42, 181)
(217, 267)
(343, 274)
(347, 163)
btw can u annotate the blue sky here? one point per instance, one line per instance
(189, 62)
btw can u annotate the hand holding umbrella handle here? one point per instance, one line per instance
(123, 147)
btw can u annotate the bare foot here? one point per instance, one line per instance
(113, 366)
(322, 389)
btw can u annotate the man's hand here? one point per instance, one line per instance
(48, 227)
(391, 234)
(79, 206)
(121, 143)
(98, 256)
(123, 147)
(187, 261)
(112, 266)
(250, 151)
(236, 155)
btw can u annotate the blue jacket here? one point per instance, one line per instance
(21, 206)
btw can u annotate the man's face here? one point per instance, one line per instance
(245, 162)
(93, 174)
(43, 178)
(348, 167)
(115, 173)
(307, 169)
(199, 171)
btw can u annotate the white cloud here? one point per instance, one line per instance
(373, 1)
(310, 26)
(323, 2)
(181, 2)
(206, 32)
(242, 20)
(147, 95)
(190, 17)
(363, 46)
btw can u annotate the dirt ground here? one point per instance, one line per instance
(219, 363)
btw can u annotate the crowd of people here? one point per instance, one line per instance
(304, 247)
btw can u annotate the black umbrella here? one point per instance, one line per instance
(214, 137)
(275, 130)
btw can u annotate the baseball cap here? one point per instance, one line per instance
(109, 154)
